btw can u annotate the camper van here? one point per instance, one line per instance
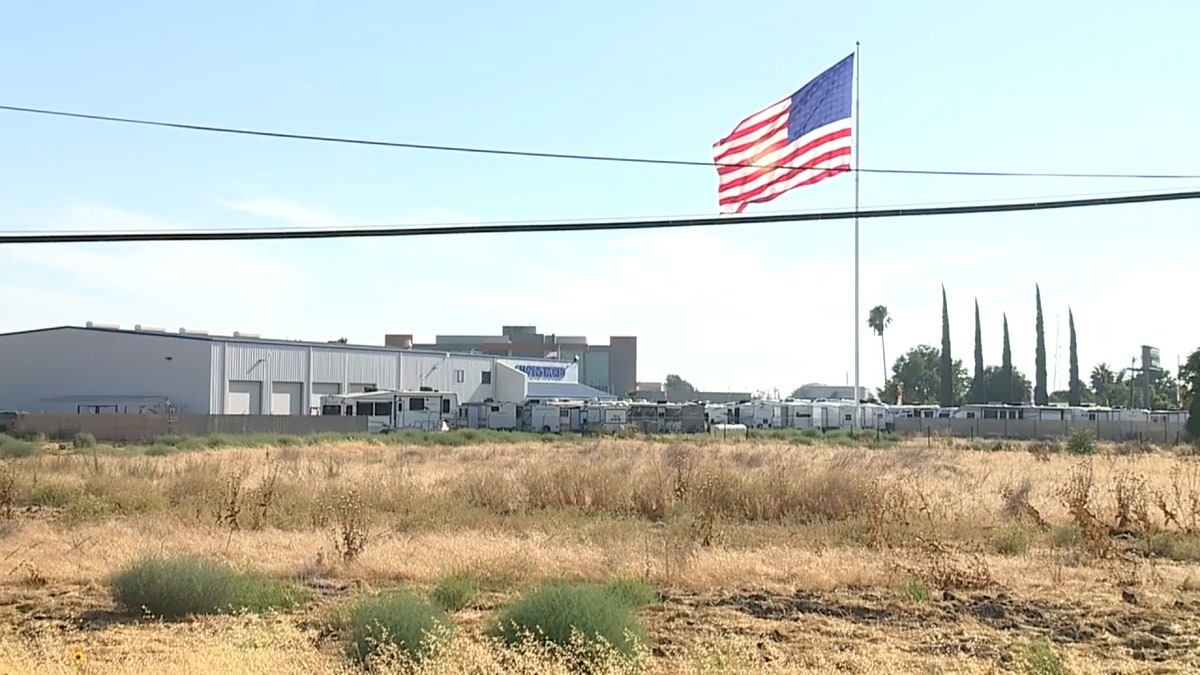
(391, 410)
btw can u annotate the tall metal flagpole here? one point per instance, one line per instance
(857, 174)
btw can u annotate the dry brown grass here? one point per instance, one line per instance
(771, 556)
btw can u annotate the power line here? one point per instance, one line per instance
(592, 158)
(586, 226)
(669, 216)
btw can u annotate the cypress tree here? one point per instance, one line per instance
(946, 363)
(1040, 396)
(978, 384)
(1006, 368)
(1076, 394)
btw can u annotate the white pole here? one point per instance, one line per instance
(857, 174)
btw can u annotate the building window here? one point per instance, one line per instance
(460, 376)
(486, 377)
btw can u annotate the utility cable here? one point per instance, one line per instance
(665, 216)
(592, 158)
(585, 226)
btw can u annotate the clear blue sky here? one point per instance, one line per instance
(1023, 86)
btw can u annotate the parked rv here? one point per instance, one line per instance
(392, 410)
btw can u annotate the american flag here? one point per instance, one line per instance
(800, 140)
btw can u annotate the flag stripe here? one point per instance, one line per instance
(780, 154)
(824, 148)
(800, 140)
(741, 205)
(812, 164)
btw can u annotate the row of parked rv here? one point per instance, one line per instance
(438, 410)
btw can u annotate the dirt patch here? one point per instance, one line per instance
(1157, 634)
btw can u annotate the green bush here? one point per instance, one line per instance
(11, 448)
(175, 587)
(83, 441)
(456, 591)
(1040, 658)
(1174, 546)
(1082, 442)
(632, 592)
(915, 590)
(400, 620)
(1066, 536)
(552, 612)
(1193, 421)
(160, 450)
(85, 508)
(1012, 539)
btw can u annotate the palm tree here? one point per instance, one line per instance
(879, 321)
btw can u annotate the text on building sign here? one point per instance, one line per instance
(544, 372)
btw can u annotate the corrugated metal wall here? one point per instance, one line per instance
(58, 370)
(196, 373)
(279, 367)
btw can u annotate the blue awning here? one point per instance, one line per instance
(573, 390)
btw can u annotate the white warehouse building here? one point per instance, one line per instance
(100, 368)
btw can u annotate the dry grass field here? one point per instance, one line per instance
(769, 556)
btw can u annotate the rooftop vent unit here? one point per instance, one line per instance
(192, 331)
(110, 326)
(240, 334)
(148, 329)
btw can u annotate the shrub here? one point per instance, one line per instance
(632, 592)
(915, 590)
(1066, 536)
(11, 448)
(83, 441)
(553, 612)
(160, 450)
(175, 587)
(1193, 421)
(456, 591)
(1174, 546)
(1040, 659)
(1082, 442)
(1012, 539)
(85, 508)
(398, 619)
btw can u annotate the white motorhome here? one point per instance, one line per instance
(990, 411)
(872, 415)
(756, 414)
(392, 410)
(827, 415)
(918, 411)
(544, 418)
(488, 415)
(796, 415)
(717, 413)
(605, 417)
(1169, 416)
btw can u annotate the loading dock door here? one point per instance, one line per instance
(245, 398)
(287, 398)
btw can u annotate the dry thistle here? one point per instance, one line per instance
(351, 526)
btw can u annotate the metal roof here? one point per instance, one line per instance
(572, 390)
(269, 341)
